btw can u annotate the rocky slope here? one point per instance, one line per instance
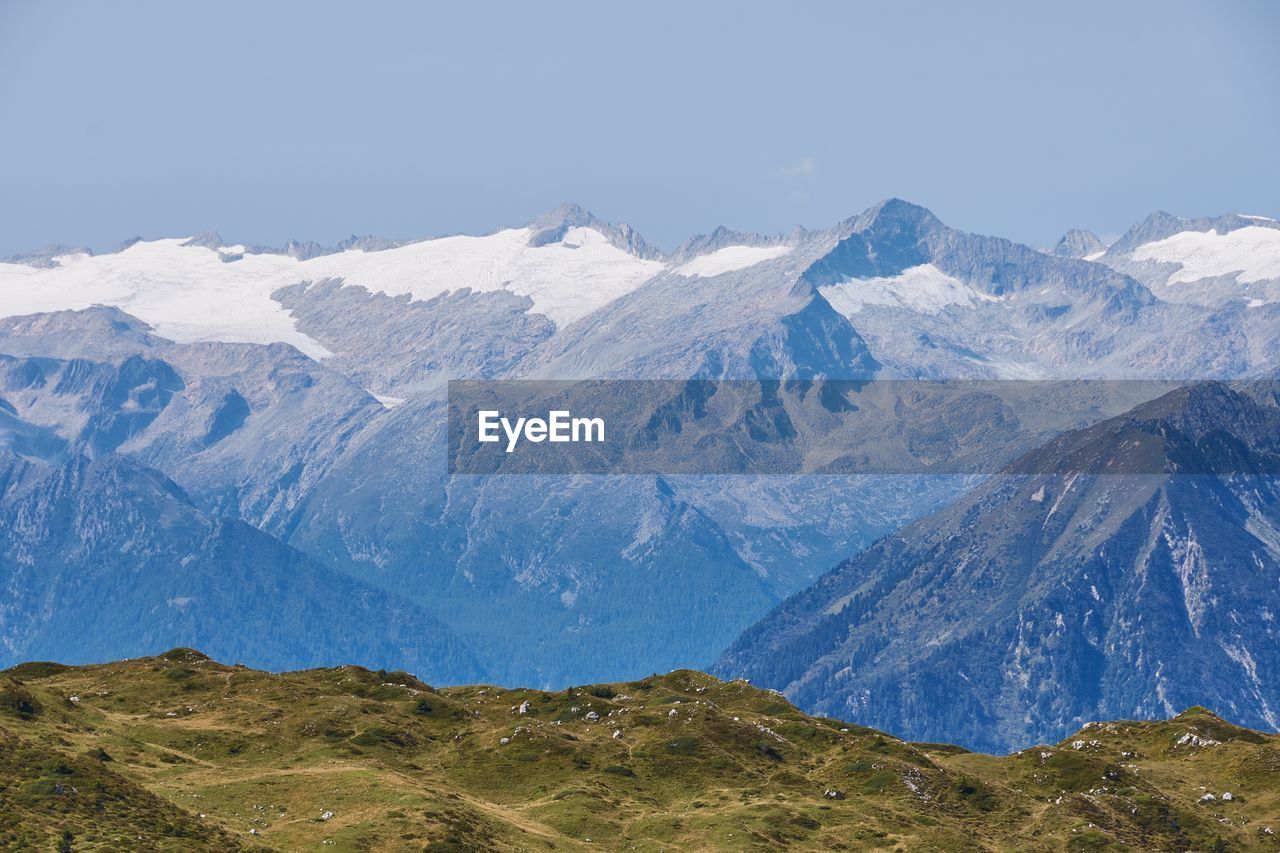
(1125, 569)
(103, 558)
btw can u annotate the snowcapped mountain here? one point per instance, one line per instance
(733, 306)
(1221, 261)
(933, 301)
(565, 265)
(896, 292)
(892, 290)
(301, 392)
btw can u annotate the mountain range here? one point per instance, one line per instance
(287, 405)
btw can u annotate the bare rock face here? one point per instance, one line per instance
(1039, 602)
(1078, 243)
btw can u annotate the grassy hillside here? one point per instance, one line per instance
(179, 752)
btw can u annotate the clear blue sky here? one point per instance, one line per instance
(275, 120)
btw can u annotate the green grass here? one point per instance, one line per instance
(180, 752)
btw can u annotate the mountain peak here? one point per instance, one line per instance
(551, 227)
(721, 237)
(566, 214)
(1161, 224)
(896, 214)
(1078, 243)
(206, 239)
(44, 258)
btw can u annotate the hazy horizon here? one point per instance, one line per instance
(301, 121)
(231, 238)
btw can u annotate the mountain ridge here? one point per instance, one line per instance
(1056, 596)
(554, 221)
(180, 750)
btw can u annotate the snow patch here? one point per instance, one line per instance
(387, 402)
(730, 259)
(565, 280)
(1252, 252)
(189, 293)
(923, 288)
(186, 293)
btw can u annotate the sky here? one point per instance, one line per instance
(271, 121)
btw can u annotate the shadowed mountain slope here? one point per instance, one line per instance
(1045, 599)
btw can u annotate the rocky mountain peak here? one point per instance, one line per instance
(895, 216)
(1078, 243)
(551, 227)
(1162, 224)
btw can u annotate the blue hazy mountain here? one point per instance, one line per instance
(106, 559)
(1040, 602)
(300, 391)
